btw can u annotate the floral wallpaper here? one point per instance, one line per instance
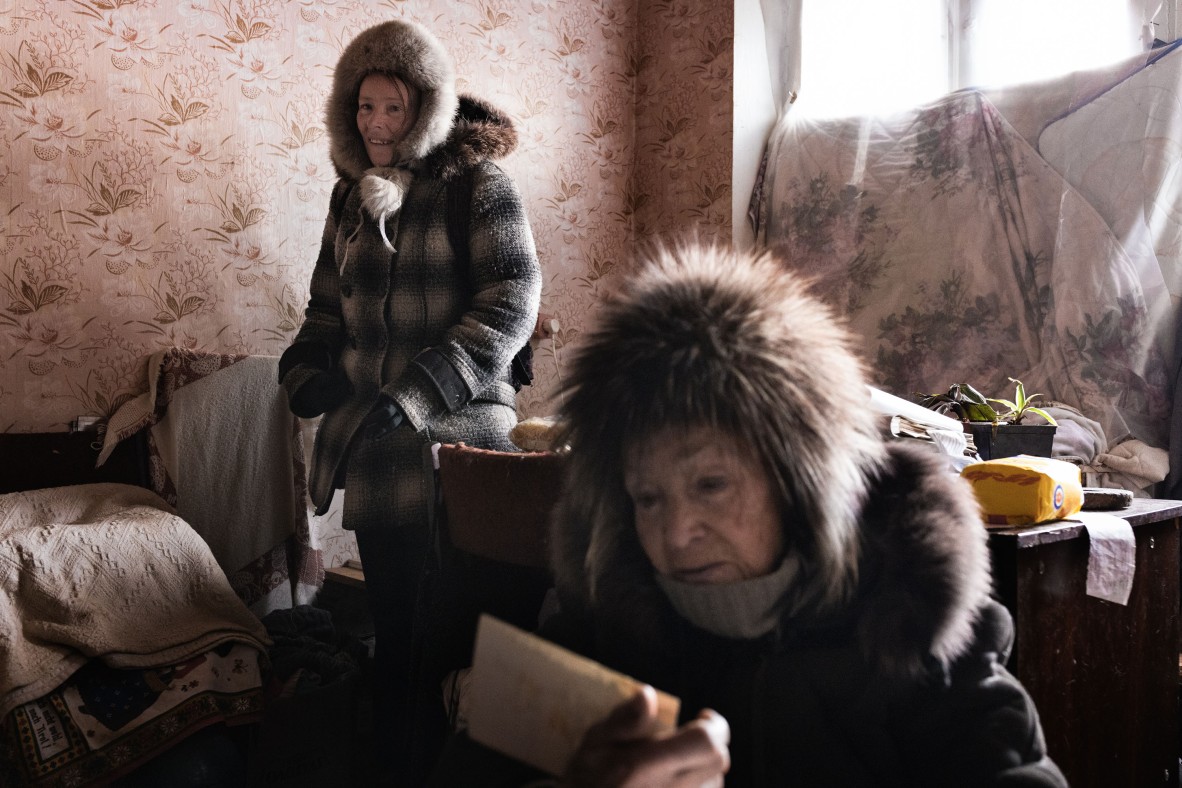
(165, 172)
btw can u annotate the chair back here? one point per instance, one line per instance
(496, 505)
(491, 515)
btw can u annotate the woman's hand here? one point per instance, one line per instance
(625, 750)
(322, 392)
(383, 418)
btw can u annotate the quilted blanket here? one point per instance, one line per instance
(110, 572)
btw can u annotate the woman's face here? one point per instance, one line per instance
(705, 508)
(386, 111)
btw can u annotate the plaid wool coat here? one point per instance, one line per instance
(411, 321)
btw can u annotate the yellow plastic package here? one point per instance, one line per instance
(1023, 490)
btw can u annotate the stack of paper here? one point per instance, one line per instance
(907, 419)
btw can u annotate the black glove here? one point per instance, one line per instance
(322, 392)
(385, 417)
(305, 354)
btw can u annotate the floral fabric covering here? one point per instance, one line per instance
(959, 254)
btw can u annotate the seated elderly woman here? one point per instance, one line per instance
(734, 531)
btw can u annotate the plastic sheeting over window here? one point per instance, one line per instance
(1032, 232)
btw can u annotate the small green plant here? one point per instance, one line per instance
(964, 402)
(1021, 405)
(961, 401)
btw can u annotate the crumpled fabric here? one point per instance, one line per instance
(1078, 438)
(1131, 465)
(307, 651)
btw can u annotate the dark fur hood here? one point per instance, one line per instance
(891, 540)
(452, 132)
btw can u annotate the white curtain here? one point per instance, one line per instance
(782, 29)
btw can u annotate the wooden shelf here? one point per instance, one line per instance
(348, 575)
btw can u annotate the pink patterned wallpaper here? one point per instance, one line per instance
(165, 173)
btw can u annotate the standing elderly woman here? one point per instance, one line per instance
(734, 531)
(426, 286)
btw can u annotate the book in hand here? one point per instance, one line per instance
(533, 700)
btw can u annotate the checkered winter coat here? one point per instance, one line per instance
(412, 322)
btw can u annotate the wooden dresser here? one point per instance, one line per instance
(1104, 676)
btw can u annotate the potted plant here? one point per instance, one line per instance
(997, 433)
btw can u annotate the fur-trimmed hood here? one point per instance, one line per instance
(891, 541)
(451, 133)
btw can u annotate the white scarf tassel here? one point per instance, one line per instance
(382, 191)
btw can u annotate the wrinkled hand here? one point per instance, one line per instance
(385, 417)
(322, 392)
(625, 750)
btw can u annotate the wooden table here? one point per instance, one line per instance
(1103, 676)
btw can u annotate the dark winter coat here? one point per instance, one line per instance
(410, 321)
(887, 666)
(807, 704)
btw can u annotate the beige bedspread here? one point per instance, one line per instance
(105, 571)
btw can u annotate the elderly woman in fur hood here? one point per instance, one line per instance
(734, 531)
(414, 315)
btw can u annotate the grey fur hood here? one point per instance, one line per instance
(891, 540)
(452, 132)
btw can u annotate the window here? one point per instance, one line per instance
(871, 56)
(877, 56)
(1011, 41)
